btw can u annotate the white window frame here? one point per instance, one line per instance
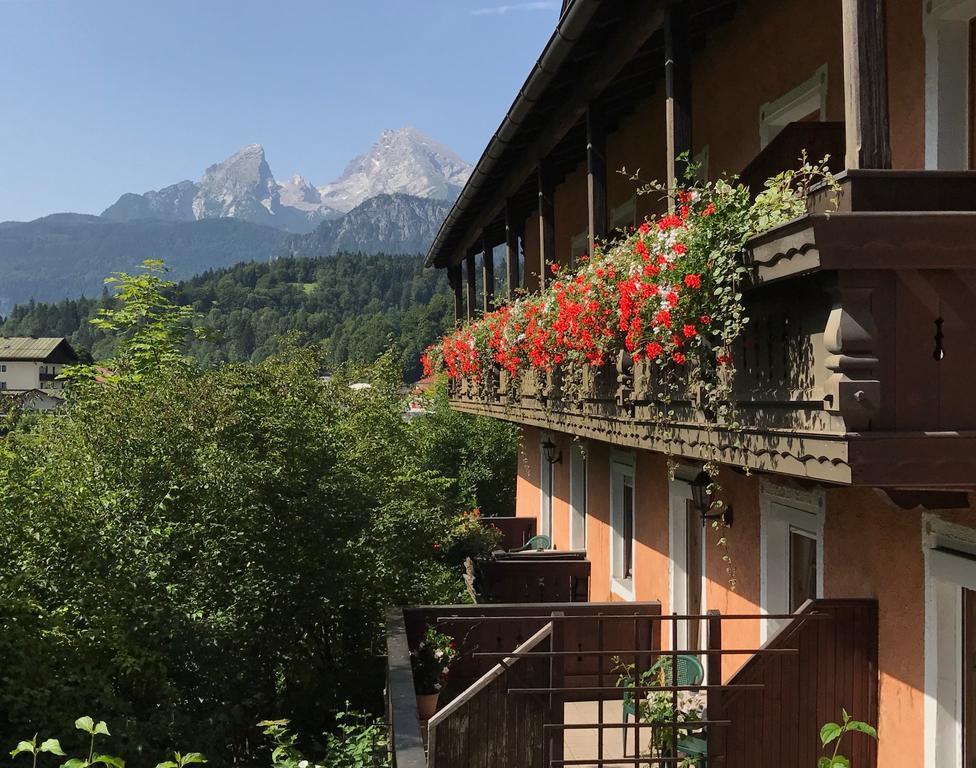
(782, 510)
(621, 469)
(679, 494)
(578, 489)
(947, 133)
(546, 488)
(795, 104)
(950, 566)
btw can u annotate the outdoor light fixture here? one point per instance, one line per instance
(549, 449)
(703, 501)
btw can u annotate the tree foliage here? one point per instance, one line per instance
(186, 550)
(357, 305)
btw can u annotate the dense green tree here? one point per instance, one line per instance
(357, 305)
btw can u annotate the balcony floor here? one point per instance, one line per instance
(583, 744)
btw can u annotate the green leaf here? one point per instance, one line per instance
(85, 724)
(112, 762)
(75, 762)
(857, 725)
(23, 746)
(823, 762)
(193, 757)
(839, 761)
(102, 728)
(167, 764)
(53, 746)
(829, 733)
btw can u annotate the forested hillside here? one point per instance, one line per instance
(68, 254)
(358, 305)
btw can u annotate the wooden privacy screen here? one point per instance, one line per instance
(836, 667)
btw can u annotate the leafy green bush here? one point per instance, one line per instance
(185, 549)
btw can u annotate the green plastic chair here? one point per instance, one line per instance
(535, 544)
(690, 672)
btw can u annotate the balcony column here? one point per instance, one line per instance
(488, 272)
(677, 86)
(511, 251)
(596, 178)
(866, 85)
(547, 229)
(454, 278)
(469, 269)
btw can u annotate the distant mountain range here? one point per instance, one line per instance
(390, 200)
(243, 186)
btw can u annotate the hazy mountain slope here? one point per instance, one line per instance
(383, 224)
(70, 254)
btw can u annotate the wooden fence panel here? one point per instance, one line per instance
(836, 666)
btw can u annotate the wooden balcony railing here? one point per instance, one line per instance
(853, 366)
(533, 577)
(521, 666)
(516, 531)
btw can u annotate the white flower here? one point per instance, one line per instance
(303, 764)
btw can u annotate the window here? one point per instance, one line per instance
(622, 525)
(577, 497)
(545, 489)
(950, 40)
(791, 551)
(578, 246)
(3, 368)
(808, 101)
(624, 216)
(3, 385)
(950, 644)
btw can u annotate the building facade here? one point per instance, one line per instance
(28, 363)
(854, 474)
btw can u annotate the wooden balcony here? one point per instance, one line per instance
(527, 672)
(856, 363)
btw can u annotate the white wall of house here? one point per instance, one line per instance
(26, 374)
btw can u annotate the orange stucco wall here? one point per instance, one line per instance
(639, 143)
(570, 204)
(872, 548)
(906, 82)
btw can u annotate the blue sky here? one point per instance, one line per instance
(100, 97)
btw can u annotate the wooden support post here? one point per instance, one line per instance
(469, 269)
(488, 272)
(866, 85)
(547, 229)
(677, 85)
(716, 735)
(596, 178)
(557, 668)
(511, 250)
(454, 277)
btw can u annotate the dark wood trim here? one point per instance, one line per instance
(866, 84)
(677, 84)
(488, 272)
(469, 269)
(454, 278)
(621, 46)
(511, 250)
(596, 178)
(547, 226)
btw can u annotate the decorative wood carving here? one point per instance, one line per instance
(852, 390)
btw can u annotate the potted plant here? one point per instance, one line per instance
(431, 662)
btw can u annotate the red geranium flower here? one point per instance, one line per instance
(693, 281)
(690, 331)
(678, 358)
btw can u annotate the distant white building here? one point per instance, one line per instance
(28, 363)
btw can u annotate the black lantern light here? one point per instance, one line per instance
(703, 501)
(549, 450)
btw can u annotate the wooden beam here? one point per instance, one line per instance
(866, 85)
(511, 250)
(454, 277)
(677, 85)
(596, 178)
(620, 46)
(488, 272)
(547, 227)
(469, 269)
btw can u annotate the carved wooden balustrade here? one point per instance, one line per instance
(855, 364)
